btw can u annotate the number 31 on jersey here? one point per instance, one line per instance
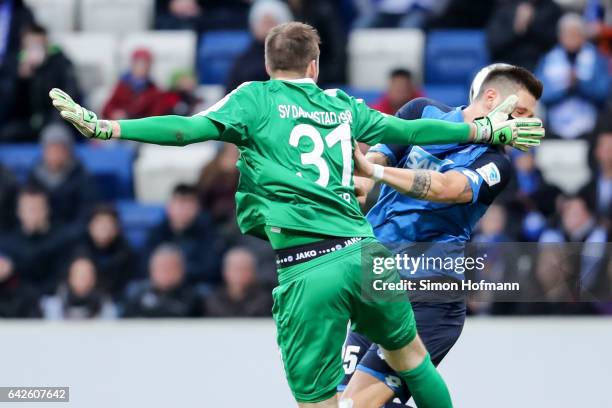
(340, 134)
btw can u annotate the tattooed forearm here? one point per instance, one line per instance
(421, 184)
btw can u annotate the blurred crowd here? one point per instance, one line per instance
(63, 253)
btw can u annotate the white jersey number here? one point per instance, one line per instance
(340, 134)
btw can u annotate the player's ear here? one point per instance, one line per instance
(313, 70)
(490, 98)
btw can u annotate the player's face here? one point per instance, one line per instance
(525, 108)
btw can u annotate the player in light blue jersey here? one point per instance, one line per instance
(432, 194)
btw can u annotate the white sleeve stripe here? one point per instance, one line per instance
(218, 105)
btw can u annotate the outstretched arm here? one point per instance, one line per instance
(449, 187)
(163, 130)
(427, 131)
(169, 130)
(497, 128)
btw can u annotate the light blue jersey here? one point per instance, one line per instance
(399, 219)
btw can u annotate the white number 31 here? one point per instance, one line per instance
(340, 134)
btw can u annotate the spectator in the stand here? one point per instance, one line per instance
(578, 223)
(71, 189)
(400, 90)
(218, 183)
(225, 14)
(521, 31)
(491, 230)
(178, 15)
(165, 294)
(136, 94)
(571, 260)
(15, 17)
(463, 14)
(250, 65)
(323, 15)
(8, 195)
(598, 191)
(576, 81)
(16, 299)
(181, 98)
(39, 67)
(492, 226)
(113, 256)
(399, 13)
(598, 15)
(528, 197)
(79, 297)
(192, 230)
(38, 245)
(241, 295)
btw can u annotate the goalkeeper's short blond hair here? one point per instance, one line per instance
(291, 47)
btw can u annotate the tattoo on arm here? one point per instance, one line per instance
(420, 185)
(466, 188)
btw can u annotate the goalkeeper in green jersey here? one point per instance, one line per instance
(296, 190)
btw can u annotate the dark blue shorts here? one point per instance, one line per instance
(439, 325)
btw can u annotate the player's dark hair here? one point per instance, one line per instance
(291, 47)
(35, 28)
(185, 190)
(32, 189)
(401, 72)
(518, 75)
(104, 209)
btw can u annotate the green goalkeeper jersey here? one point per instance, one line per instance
(296, 144)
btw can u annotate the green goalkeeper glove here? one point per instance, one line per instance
(84, 120)
(498, 127)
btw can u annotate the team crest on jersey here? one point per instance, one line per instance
(419, 158)
(490, 173)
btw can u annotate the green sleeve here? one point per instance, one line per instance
(423, 132)
(228, 120)
(170, 130)
(373, 127)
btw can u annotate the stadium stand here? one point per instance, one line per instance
(99, 37)
(453, 95)
(115, 16)
(110, 165)
(172, 51)
(454, 56)
(158, 169)
(137, 218)
(564, 163)
(216, 53)
(55, 15)
(95, 71)
(112, 168)
(19, 158)
(373, 53)
(368, 96)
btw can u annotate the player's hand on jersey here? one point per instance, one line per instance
(498, 127)
(363, 168)
(363, 186)
(362, 177)
(85, 121)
